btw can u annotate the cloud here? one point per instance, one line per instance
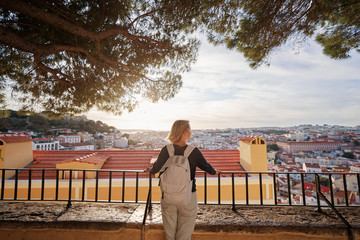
(222, 91)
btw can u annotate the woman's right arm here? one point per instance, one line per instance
(202, 163)
(160, 161)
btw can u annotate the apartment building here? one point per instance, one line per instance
(45, 144)
(292, 147)
(70, 138)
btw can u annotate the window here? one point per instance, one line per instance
(1, 142)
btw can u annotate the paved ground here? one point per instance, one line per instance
(211, 218)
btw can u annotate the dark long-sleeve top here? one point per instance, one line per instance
(196, 159)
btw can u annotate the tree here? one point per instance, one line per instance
(256, 27)
(274, 147)
(38, 123)
(17, 123)
(4, 125)
(323, 182)
(70, 56)
(348, 155)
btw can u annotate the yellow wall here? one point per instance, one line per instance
(253, 156)
(15, 155)
(130, 190)
(79, 165)
(2, 156)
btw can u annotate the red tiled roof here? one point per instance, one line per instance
(76, 144)
(341, 194)
(94, 158)
(311, 186)
(11, 138)
(128, 160)
(223, 160)
(40, 139)
(49, 159)
(312, 165)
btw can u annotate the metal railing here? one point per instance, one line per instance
(246, 188)
(227, 188)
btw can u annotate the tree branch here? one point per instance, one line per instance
(114, 63)
(39, 14)
(11, 39)
(144, 15)
(36, 13)
(37, 60)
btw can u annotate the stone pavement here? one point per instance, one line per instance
(211, 218)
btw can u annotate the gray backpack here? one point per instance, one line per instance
(175, 178)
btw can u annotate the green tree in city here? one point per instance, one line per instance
(4, 125)
(70, 56)
(18, 123)
(323, 182)
(348, 155)
(273, 147)
(38, 123)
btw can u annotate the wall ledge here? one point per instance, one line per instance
(213, 220)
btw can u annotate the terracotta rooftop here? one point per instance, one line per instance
(223, 160)
(312, 165)
(41, 139)
(312, 187)
(76, 144)
(93, 158)
(11, 138)
(128, 160)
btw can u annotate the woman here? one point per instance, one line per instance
(179, 221)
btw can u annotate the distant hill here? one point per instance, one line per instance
(42, 123)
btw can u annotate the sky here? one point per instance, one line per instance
(300, 86)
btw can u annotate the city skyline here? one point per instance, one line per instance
(301, 86)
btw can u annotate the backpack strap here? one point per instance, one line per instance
(188, 151)
(171, 150)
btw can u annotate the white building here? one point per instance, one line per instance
(108, 137)
(355, 168)
(271, 156)
(85, 136)
(311, 168)
(70, 139)
(45, 144)
(296, 136)
(120, 143)
(351, 183)
(322, 161)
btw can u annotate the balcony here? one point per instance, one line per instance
(232, 205)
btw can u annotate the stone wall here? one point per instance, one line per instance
(84, 221)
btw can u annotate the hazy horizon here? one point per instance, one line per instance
(301, 86)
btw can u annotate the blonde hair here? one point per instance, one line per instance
(177, 130)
